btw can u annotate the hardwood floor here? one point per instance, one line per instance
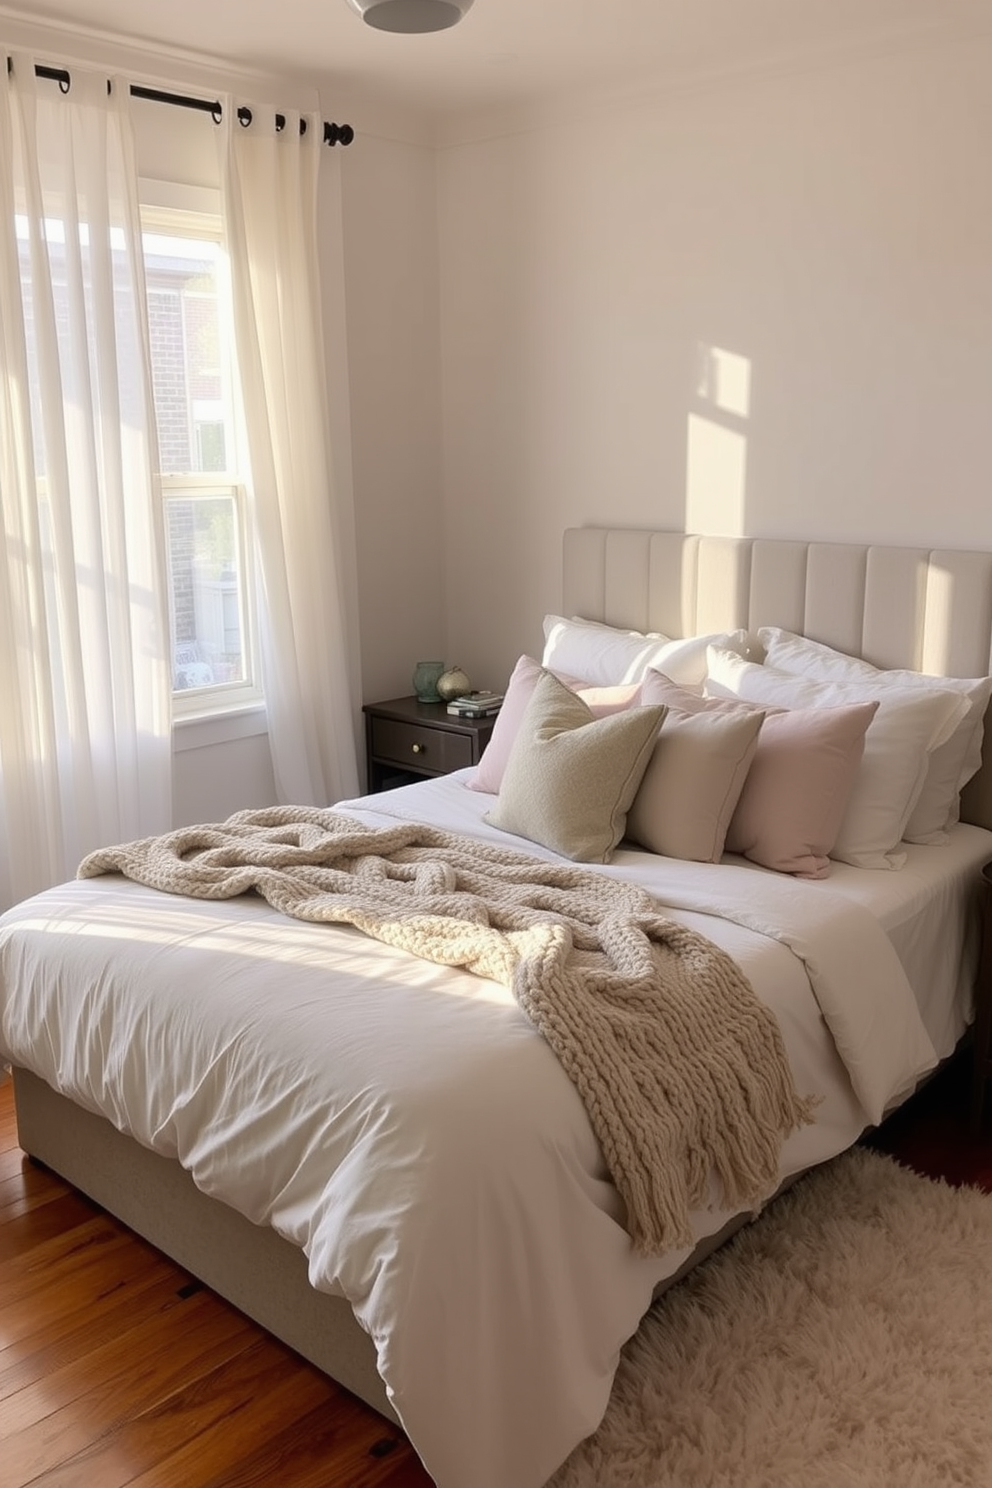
(116, 1369)
(933, 1133)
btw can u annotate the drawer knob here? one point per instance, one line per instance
(419, 748)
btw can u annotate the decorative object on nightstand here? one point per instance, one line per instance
(476, 704)
(425, 679)
(452, 684)
(407, 740)
(982, 1033)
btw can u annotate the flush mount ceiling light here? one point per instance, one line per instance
(410, 16)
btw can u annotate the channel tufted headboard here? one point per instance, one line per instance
(928, 609)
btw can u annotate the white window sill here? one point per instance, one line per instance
(218, 728)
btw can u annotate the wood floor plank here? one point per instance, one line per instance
(30, 1180)
(87, 1243)
(67, 1339)
(365, 1451)
(41, 1223)
(208, 1423)
(42, 1445)
(8, 1129)
(90, 1257)
(12, 1162)
(78, 1287)
(109, 1369)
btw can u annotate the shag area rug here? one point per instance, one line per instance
(843, 1340)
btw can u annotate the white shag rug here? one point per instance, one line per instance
(843, 1340)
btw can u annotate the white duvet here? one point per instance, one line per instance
(407, 1127)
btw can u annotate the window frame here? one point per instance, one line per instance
(216, 697)
(170, 211)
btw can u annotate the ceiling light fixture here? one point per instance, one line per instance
(410, 16)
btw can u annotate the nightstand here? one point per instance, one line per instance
(982, 1050)
(406, 740)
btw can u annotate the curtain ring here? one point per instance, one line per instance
(244, 117)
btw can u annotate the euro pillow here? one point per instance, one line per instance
(693, 781)
(908, 724)
(571, 777)
(602, 701)
(604, 655)
(952, 764)
(799, 782)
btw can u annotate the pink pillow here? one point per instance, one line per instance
(792, 805)
(523, 679)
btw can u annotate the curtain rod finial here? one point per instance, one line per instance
(338, 134)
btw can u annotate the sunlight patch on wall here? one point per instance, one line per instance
(716, 445)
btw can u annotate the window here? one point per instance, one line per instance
(203, 490)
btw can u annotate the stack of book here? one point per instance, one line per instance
(476, 704)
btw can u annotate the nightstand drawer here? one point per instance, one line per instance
(418, 747)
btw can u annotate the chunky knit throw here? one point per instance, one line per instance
(681, 1068)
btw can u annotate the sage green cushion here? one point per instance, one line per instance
(570, 776)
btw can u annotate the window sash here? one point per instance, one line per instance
(212, 620)
(210, 597)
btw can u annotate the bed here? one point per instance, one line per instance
(379, 1157)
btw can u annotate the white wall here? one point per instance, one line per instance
(220, 766)
(389, 213)
(765, 309)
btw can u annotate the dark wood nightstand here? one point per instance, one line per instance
(982, 1051)
(406, 740)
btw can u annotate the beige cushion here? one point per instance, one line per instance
(694, 778)
(570, 777)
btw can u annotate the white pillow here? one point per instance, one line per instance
(604, 656)
(952, 764)
(909, 723)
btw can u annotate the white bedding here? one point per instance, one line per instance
(930, 912)
(407, 1127)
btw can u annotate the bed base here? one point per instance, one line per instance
(249, 1265)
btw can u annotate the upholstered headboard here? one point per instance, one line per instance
(928, 609)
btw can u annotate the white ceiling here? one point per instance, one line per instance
(508, 54)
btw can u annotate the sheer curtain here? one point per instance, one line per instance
(85, 743)
(269, 186)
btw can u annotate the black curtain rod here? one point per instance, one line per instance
(334, 134)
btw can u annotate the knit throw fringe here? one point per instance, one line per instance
(681, 1068)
